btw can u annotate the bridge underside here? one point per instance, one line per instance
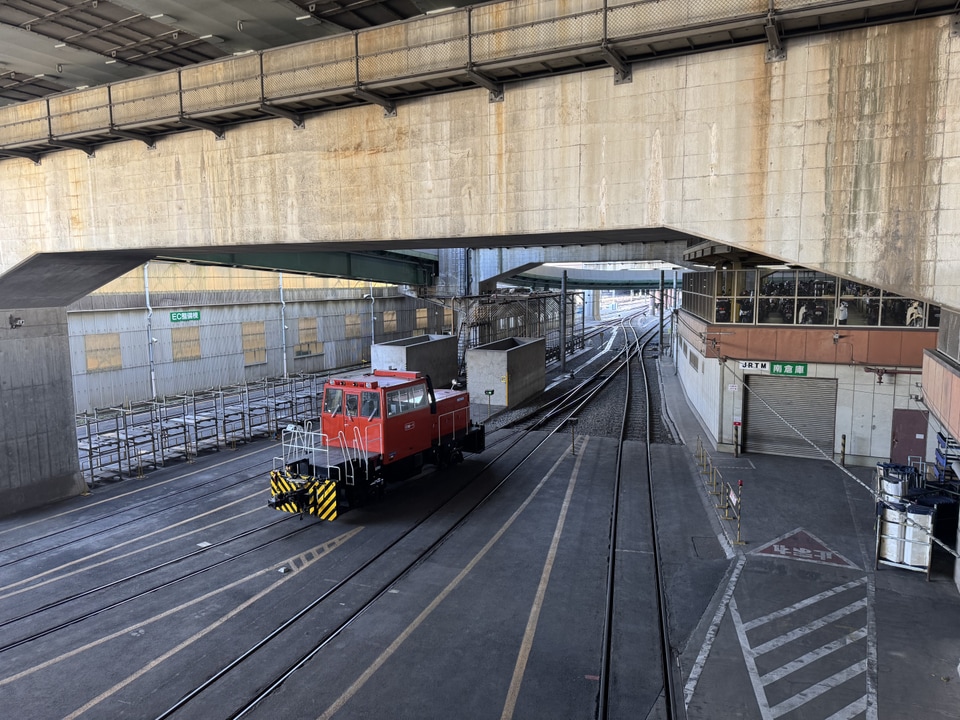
(59, 279)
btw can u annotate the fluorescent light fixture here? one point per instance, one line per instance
(60, 45)
(214, 39)
(308, 20)
(243, 52)
(110, 62)
(82, 87)
(164, 18)
(40, 75)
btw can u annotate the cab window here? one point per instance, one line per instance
(353, 403)
(332, 401)
(370, 405)
(406, 399)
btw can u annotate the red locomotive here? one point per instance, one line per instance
(374, 428)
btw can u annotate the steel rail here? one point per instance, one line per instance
(139, 574)
(671, 707)
(385, 587)
(160, 498)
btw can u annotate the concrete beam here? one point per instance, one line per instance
(794, 160)
(492, 264)
(379, 267)
(586, 279)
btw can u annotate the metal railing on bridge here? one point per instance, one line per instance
(485, 45)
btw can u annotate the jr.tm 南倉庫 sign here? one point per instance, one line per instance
(796, 369)
(184, 315)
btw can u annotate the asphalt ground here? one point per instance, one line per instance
(802, 624)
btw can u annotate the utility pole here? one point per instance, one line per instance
(563, 322)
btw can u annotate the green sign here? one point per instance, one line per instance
(782, 368)
(184, 315)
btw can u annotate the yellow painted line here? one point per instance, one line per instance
(426, 612)
(514, 692)
(112, 548)
(321, 550)
(132, 492)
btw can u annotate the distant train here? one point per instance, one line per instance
(374, 428)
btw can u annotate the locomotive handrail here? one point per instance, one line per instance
(348, 468)
(362, 448)
(453, 422)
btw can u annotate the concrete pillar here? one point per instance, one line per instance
(591, 304)
(38, 441)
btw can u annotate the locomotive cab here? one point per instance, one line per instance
(374, 428)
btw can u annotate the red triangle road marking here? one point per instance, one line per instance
(804, 546)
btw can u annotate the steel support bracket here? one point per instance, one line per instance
(955, 26)
(217, 130)
(295, 117)
(389, 107)
(485, 81)
(147, 140)
(623, 72)
(22, 154)
(72, 145)
(775, 50)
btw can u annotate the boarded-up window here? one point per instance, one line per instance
(254, 343)
(422, 318)
(186, 342)
(308, 343)
(448, 318)
(352, 326)
(103, 352)
(390, 321)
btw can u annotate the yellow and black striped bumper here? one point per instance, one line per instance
(296, 494)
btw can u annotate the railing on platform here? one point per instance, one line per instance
(126, 441)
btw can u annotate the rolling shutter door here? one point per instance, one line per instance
(809, 404)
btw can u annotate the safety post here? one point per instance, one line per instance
(843, 450)
(736, 440)
(573, 435)
(739, 502)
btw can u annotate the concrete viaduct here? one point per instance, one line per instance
(843, 155)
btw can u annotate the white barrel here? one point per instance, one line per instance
(917, 538)
(892, 489)
(892, 533)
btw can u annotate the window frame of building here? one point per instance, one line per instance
(352, 326)
(185, 343)
(389, 321)
(308, 343)
(254, 339)
(102, 352)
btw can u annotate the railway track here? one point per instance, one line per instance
(367, 582)
(183, 493)
(552, 420)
